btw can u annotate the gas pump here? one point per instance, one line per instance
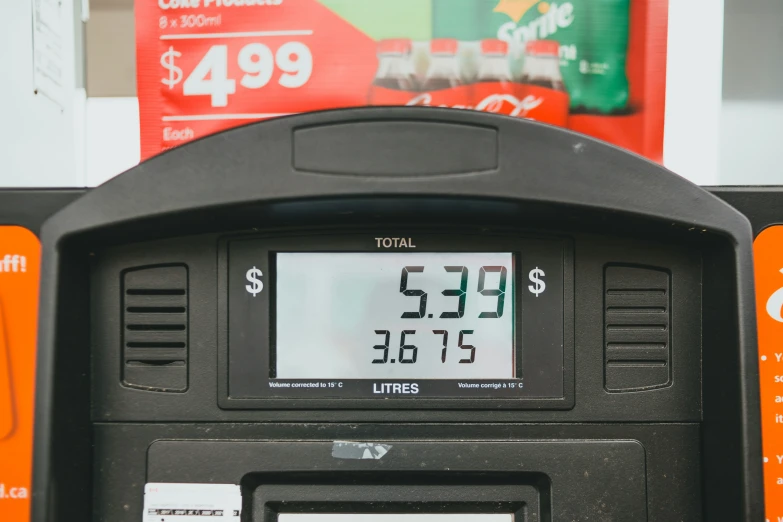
(396, 315)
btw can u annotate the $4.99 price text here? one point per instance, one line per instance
(256, 61)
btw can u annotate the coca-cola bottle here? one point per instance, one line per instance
(545, 99)
(443, 86)
(494, 90)
(395, 81)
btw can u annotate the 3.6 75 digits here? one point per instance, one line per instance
(408, 353)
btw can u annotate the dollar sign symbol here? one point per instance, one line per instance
(538, 285)
(175, 73)
(255, 285)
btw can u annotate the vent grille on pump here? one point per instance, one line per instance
(637, 346)
(155, 328)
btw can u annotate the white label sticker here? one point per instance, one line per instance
(164, 502)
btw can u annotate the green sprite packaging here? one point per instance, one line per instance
(604, 63)
(593, 38)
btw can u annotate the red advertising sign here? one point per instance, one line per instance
(595, 66)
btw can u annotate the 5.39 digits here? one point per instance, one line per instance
(460, 293)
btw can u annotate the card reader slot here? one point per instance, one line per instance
(393, 502)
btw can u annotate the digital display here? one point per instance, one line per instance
(362, 315)
(365, 320)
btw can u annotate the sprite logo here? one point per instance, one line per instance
(553, 17)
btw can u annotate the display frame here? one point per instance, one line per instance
(521, 501)
(246, 337)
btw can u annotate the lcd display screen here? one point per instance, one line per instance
(353, 315)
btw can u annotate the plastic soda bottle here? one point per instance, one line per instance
(395, 82)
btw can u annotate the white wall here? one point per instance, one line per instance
(752, 114)
(42, 140)
(750, 143)
(694, 89)
(112, 138)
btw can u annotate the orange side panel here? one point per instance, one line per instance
(20, 254)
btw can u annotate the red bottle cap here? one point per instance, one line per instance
(543, 48)
(444, 46)
(494, 47)
(394, 46)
